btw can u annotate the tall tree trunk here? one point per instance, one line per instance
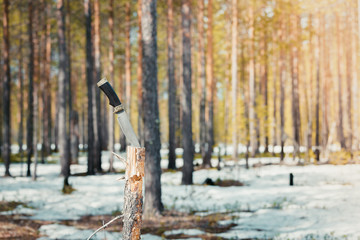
(355, 84)
(348, 53)
(340, 113)
(201, 75)
(127, 61)
(46, 98)
(69, 86)
(62, 80)
(139, 80)
(111, 74)
(252, 132)
(325, 76)
(188, 154)
(294, 85)
(21, 100)
(90, 87)
(210, 85)
(309, 93)
(172, 86)
(30, 117)
(96, 93)
(275, 65)
(264, 89)
(153, 205)
(6, 126)
(282, 69)
(234, 77)
(317, 104)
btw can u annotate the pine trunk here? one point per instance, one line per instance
(90, 87)
(21, 102)
(62, 80)
(294, 85)
(188, 154)
(172, 86)
(96, 91)
(30, 117)
(282, 68)
(317, 104)
(210, 84)
(6, 126)
(139, 80)
(111, 126)
(47, 94)
(201, 75)
(127, 60)
(340, 113)
(349, 49)
(153, 205)
(234, 77)
(252, 120)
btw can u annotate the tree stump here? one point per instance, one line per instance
(133, 198)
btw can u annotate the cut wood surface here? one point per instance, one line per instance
(133, 198)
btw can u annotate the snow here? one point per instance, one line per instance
(323, 204)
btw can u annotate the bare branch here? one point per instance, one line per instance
(120, 157)
(104, 226)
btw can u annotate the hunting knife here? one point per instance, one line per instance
(119, 110)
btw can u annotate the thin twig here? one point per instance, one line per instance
(104, 226)
(120, 157)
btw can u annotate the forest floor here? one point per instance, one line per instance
(255, 203)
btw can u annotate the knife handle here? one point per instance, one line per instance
(110, 93)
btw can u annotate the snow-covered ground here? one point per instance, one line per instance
(323, 204)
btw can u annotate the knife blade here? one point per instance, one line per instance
(119, 110)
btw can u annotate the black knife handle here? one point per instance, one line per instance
(114, 100)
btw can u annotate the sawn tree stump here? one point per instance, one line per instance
(133, 198)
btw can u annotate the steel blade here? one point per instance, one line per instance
(127, 129)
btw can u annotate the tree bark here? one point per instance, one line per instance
(111, 135)
(234, 77)
(202, 76)
(355, 94)
(90, 87)
(317, 104)
(6, 126)
(62, 80)
(282, 68)
(46, 95)
(69, 86)
(188, 154)
(30, 117)
(172, 86)
(139, 80)
(264, 89)
(275, 94)
(96, 93)
(348, 53)
(133, 198)
(21, 100)
(210, 89)
(153, 205)
(252, 132)
(309, 93)
(340, 113)
(294, 85)
(127, 61)
(127, 57)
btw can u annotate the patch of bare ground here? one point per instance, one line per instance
(18, 227)
(170, 220)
